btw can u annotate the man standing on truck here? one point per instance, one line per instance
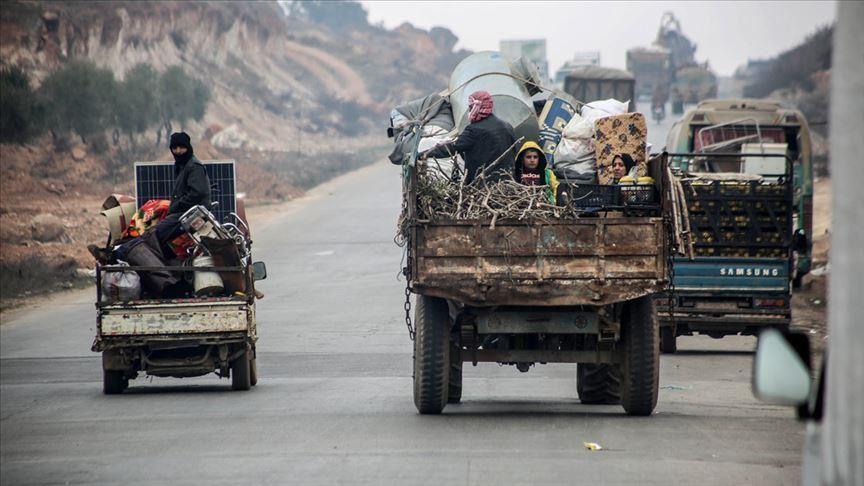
(487, 140)
(191, 188)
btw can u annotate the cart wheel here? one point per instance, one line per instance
(668, 340)
(241, 378)
(114, 382)
(640, 364)
(431, 355)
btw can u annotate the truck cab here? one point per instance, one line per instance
(745, 167)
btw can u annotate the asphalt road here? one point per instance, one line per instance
(334, 405)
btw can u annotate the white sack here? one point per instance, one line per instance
(576, 141)
(602, 108)
(438, 168)
(120, 286)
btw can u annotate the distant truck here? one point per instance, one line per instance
(651, 70)
(692, 84)
(594, 83)
(745, 166)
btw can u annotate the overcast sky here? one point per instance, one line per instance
(726, 33)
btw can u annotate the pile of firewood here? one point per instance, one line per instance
(486, 198)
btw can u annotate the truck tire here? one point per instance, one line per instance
(431, 354)
(241, 377)
(253, 372)
(114, 382)
(668, 340)
(598, 384)
(454, 381)
(640, 360)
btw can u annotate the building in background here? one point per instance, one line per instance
(532, 49)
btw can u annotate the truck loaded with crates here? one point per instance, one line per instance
(747, 183)
(188, 316)
(504, 274)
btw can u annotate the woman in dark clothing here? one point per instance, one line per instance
(622, 165)
(486, 140)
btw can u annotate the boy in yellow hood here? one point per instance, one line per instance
(532, 169)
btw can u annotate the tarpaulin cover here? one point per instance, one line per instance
(431, 110)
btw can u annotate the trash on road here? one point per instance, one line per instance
(592, 446)
(676, 387)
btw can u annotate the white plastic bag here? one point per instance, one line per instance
(599, 109)
(120, 286)
(576, 141)
(433, 137)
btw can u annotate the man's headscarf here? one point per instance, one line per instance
(181, 139)
(479, 106)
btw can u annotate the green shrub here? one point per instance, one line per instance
(20, 114)
(79, 97)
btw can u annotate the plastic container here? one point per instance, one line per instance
(207, 283)
(590, 195)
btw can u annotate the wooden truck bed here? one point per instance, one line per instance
(590, 261)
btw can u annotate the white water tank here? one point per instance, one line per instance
(489, 71)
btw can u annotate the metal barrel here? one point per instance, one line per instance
(489, 71)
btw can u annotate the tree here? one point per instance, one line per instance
(20, 114)
(339, 16)
(182, 98)
(136, 106)
(78, 97)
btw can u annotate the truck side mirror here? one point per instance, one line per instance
(259, 271)
(390, 132)
(781, 368)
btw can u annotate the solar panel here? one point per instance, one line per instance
(155, 180)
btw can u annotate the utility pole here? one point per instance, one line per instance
(842, 461)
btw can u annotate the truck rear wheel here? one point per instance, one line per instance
(598, 384)
(114, 382)
(241, 377)
(253, 372)
(454, 381)
(431, 354)
(640, 363)
(668, 340)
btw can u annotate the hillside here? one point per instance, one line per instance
(298, 93)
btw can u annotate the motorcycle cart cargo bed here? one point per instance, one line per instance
(184, 318)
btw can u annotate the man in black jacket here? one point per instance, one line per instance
(191, 188)
(191, 184)
(485, 141)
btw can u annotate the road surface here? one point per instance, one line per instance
(334, 405)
